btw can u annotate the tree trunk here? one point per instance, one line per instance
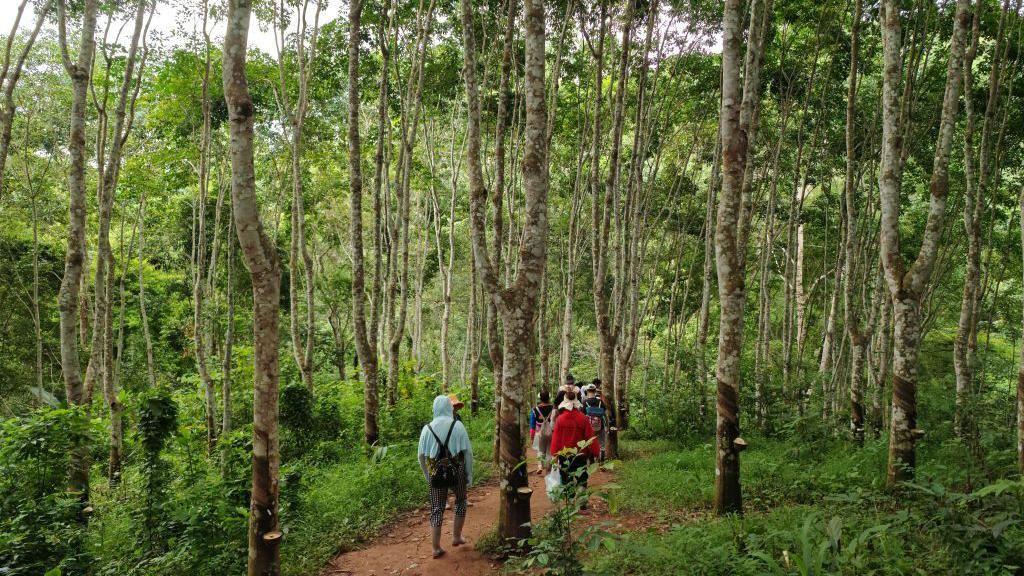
(199, 318)
(445, 266)
(379, 249)
(473, 340)
(496, 350)
(572, 262)
(302, 350)
(1020, 367)
(412, 105)
(976, 179)
(367, 353)
(144, 317)
(728, 258)
(602, 213)
(704, 319)
(858, 338)
(227, 364)
(517, 302)
(68, 297)
(908, 285)
(261, 259)
(762, 349)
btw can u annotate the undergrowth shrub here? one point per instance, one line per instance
(40, 526)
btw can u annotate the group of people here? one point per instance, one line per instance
(571, 431)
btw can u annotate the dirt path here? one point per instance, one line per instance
(404, 548)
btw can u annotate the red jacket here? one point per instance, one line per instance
(571, 428)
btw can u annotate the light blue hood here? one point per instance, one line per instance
(459, 441)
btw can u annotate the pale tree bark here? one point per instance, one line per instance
(762, 348)
(517, 302)
(416, 350)
(908, 284)
(380, 175)
(1020, 366)
(121, 280)
(473, 339)
(10, 73)
(859, 337)
(198, 263)
(101, 360)
(704, 317)
(878, 323)
(497, 195)
(976, 170)
(735, 148)
(409, 127)
(366, 352)
(791, 320)
(143, 315)
(446, 264)
(68, 297)
(227, 362)
(293, 116)
(261, 259)
(34, 190)
(605, 203)
(728, 497)
(571, 266)
(633, 233)
(884, 350)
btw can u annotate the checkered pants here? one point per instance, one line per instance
(439, 498)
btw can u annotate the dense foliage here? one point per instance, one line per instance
(634, 95)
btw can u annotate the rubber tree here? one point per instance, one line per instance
(260, 256)
(908, 283)
(517, 302)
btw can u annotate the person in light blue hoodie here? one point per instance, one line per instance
(445, 448)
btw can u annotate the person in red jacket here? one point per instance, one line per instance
(571, 428)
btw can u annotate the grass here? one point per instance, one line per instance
(812, 507)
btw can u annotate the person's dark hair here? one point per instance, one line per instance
(570, 378)
(596, 381)
(545, 396)
(570, 395)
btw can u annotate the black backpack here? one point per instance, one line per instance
(446, 469)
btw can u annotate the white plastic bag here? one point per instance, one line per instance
(553, 482)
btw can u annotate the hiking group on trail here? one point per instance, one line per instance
(568, 435)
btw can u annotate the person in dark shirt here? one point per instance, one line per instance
(597, 412)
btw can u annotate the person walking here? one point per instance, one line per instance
(446, 458)
(570, 384)
(571, 428)
(542, 425)
(597, 413)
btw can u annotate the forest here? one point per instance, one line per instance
(244, 244)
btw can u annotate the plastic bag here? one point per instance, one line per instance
(553, 483)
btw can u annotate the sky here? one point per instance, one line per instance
(171, 21)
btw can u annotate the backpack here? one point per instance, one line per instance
(547, 427)
(445, 470)
(595, 412)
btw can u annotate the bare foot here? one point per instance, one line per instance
(438, 553)
(458, 541)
